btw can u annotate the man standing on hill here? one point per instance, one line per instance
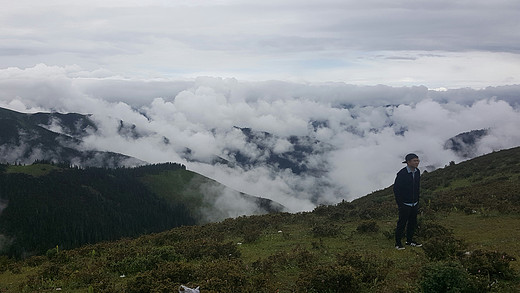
(406, 191)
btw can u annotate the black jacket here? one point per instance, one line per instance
(406, 186)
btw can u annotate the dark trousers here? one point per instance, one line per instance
(408, 219)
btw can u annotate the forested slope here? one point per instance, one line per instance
(47, 205)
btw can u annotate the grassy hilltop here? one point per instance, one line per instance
(469, 224)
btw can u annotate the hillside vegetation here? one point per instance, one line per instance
(469, 225)
(44, 205)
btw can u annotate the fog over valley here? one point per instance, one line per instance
(298, 143)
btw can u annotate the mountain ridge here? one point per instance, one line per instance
(25, 138)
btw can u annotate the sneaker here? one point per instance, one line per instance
(414, 244)
(399, 247)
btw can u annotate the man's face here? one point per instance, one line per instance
(413, 163)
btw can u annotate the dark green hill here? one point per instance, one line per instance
(469, 225)
(45, 205)
(72, 124)
(53, 137)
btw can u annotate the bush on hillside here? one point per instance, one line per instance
(145, 282)
(251, 235)
(439, 242)
(448, 277)
(329, 278)
(368, 227)
(207, 248)
(492, 264)
(341, 211)
(297, 258)
(326, 230)
(4, 263)
(224, 276)
(443, 247)
(369, 267)
(427, 229)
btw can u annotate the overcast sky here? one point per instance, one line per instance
(449, 44)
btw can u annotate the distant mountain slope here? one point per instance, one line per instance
(292, 156)
(465, 144)
(57, 137)
(46, 205)
(53, 137)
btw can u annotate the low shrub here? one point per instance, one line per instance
(224, 276)
(326, 230)
(178, 272)
(33, 261)
(368, 227)
(15, 268)
(443, 247)
(35, 283)
(135, 264)
(252, 235)
(165, 253)
(4, 263)
(91, 273)
(448, 277)
(389, 234)
(369, 267)
(333, 278)
(56, 255)
(138, 261)
(298, 257)
(430, 229)
(303, 258)
(489, 263)
(145, 282)
(203, 248)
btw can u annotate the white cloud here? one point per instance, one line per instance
(362, 132)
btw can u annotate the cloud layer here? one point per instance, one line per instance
(441, 44)
(357, 136)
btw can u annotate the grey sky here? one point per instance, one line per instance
(433, 43)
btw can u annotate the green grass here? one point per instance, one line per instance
(490, 232)
(281, 251)
(183, 187)
(35, 170)
(291, 239)
(173, 185)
